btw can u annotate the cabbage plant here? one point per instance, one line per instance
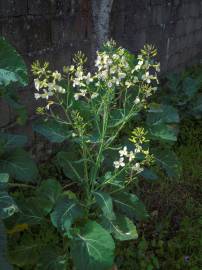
(85, 113)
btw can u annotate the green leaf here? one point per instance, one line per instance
(174, 81)
(196, 107)
(54, 131)
(168, 161)
(190, 87)
(65, 213)
(149, 174)
(13, 141)
(117, 117)
(19, 165)
(160, 113)
(31, 211)
(130, 205)
(50, 260)
(4, 265)
(72, 167)
(12, 66)
(93, 248)
(4, 178)
(164, 132)
(25, 253)
(48, 194)
(104, 201)
(7, 205)
(122, 228)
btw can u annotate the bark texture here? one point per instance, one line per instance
(101, 11)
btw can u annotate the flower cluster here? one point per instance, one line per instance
(48, 83)
(115, 68)
(128, 157)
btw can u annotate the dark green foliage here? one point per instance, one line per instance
(13, 74)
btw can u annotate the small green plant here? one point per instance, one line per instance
(89, 111)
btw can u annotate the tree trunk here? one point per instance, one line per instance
(101, 10)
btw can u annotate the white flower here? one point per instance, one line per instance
(123, 152)
(37, 96)
(46, 94)
(57, 76)
(146, 77)
(94, 95)
(60, 89)
(98, 61)
(109, 84)
(109, 62)
(137, 100)
(137, 168)
(116, 164)
(88, 78)
(158, 67)
(76, 96)
(83, 92)
(37, 84)
(128, 84)
(121, 75)
(119, 163)
(131, 156)
(51, 86)
(135, 79)
(138, 149)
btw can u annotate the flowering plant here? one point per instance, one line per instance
(89, 111)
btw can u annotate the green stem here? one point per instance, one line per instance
(98, 160)
(13, 185)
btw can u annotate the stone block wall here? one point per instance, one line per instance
(54, 29)
(174, 26)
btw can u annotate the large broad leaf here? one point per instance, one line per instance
(50, 260)
(12, 66)
(149, 174)
(7, 205)
(48, 194)
(4, 265)
(31, 212)
(164, 132)
(25, 253)
(130, 205)
(104, 201)
(54, 131)
(160, 113)
(12, 141)
(168, 161)
(19, 165)
(12, 98)
(93, 248)
(122, 228)
(65, 213)
(72, 167)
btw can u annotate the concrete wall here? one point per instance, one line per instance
(54, 29)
